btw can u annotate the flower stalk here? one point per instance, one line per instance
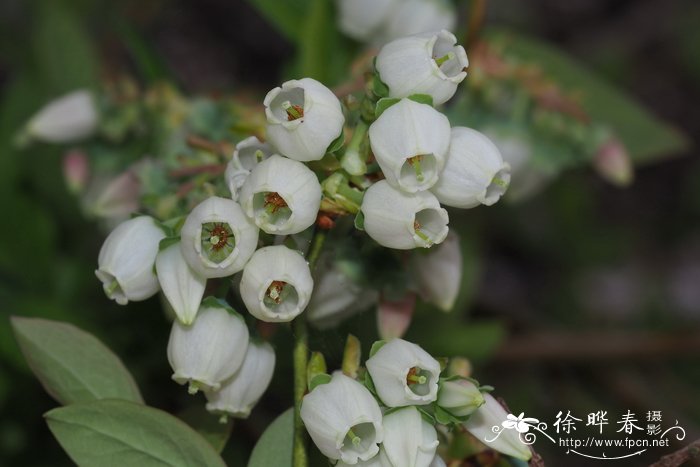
(301, 357)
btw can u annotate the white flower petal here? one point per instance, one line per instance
(409, 440)
(417, 16)
(438, 272)
(183, 288)
(362, 19)
(69, 118)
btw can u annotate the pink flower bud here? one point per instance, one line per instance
(76, 170)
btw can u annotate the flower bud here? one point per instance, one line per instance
(114, 199)
(239, 394)
(404, 374)
(125, 262)
(409, 440)
(276, 284)
(249, 153)
(362, 19)
(343, 420)
(460, 397)
(410, 141)
(76, 170)
(399, 220)
(218, 238)
(492, 414)
(417, 16)
(182, 287)
(475, 172)
(69, 118)
(438, 272)
(303, 119)
(429, 63)
(282, 196)
(211, 349)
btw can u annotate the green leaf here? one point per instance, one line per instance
(360, 221)
(645, 136)
(63, 49)
(383, 104)
(208, 425)
(288, 16)
(422, 99)
(275, 444)
(72, 365)
(117, 433)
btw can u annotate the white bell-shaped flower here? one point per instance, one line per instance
(336, 296)
(409, 440)
(362, 19)
(490, 415)
(239, 394)
(417, 16)
(69, 118)
(475, 172)
(429, 63)
(210, 350)
(343, 420)
(404, 374)
(379, 460)
(282, 196)
(438, 272)
(303, 118)
(276, 284)
(183, 287)
(403, 221)
(248, 153)
(410, 141)
(125, 262)
(460, 397)
(218, 238)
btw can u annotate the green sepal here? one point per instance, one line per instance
(319, 379)
(422, 99)
(360, 221)
(167, 242)
(375, 348)
(486, 388)
(427, 416)
(383, 104)
(174, 224)
(366, 379)
(379, 87)
(443, 417)
(443, 361)
(337, 143)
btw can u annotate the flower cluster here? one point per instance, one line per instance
(402, 161)
(390, 415)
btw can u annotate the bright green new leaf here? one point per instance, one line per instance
(72, 365)
(276, 443)
(117, 433)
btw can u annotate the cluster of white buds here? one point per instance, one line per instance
(379, 21)
(390, 417)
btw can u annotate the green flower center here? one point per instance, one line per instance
(218, 241)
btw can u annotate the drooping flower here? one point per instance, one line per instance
(438, 272)
(430, 63)
(410, 141)
(343, 420)
(417, 16)
(239, 394)
(363, 19)
(210, 350)
(182, 287)
(409, 440)
(125, 262)
(460, 397)
(218, 238)
(490, 415)
(303, 118)
(276, 284)
(403, 221)
(69, 118)
(249, 153)
(404, 374)
(475, 172)
(281, 196)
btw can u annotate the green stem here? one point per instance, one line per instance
(301, 358)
